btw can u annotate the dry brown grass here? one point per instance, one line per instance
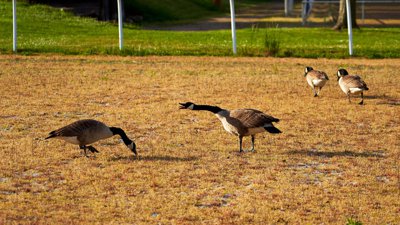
(333, 161)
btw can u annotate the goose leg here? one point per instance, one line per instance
(84, 149)
(348, 96)
(252, 143)
(240, 144)
(362, 99)
(315, 92)
(319, 90)
(92, 149)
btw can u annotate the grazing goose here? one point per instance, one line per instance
(315, 78)
(351, 84)
(239, 122)
(84, 132)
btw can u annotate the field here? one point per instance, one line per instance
(334, 160)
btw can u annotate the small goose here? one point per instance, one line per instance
(239, 122)
(351, 84)
(84, 132)
(315, 78)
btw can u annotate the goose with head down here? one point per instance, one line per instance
(85, 132)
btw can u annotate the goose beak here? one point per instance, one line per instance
(182, 106)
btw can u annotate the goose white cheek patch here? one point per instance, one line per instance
(191, 107)
(130, 146)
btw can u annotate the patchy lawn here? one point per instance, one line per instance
(333, 161)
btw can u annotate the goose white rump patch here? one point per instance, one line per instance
(72, 140)
(319, 83)
(355, 90)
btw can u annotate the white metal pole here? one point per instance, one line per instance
(233, 27)
(14, 6)
(120, 22)
(349, 28)
(304, 12)
(286, 7)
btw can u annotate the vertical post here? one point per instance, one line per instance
(14, 6)
(288, 7)
(362, 10)
(349, 28)
(303, 12)
(233, 27)
(120, 22)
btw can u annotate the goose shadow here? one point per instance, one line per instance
(346, 153)
(384, 99)
(155, 158)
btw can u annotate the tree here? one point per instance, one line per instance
(342, 17)
(217, 3)
(109, 11)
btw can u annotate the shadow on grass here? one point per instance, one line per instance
(347, 153)
(154, 158)
(384, 99)
(389, 101)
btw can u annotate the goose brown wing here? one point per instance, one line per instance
(315, 74)
(76, 128)
(252, 118)
(354, 81)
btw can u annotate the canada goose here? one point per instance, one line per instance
(84, 132)
(351, 84)
(239, 122)
(315, 78)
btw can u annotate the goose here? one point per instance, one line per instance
(351, 84)
(239, 122)
(85, 132)
(315, 78)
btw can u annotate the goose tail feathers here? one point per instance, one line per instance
(272, 130)
(51, 135)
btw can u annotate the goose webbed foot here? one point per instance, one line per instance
(92, 149)
(239, 153)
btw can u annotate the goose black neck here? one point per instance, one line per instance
(213, 109)
(120, 132)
